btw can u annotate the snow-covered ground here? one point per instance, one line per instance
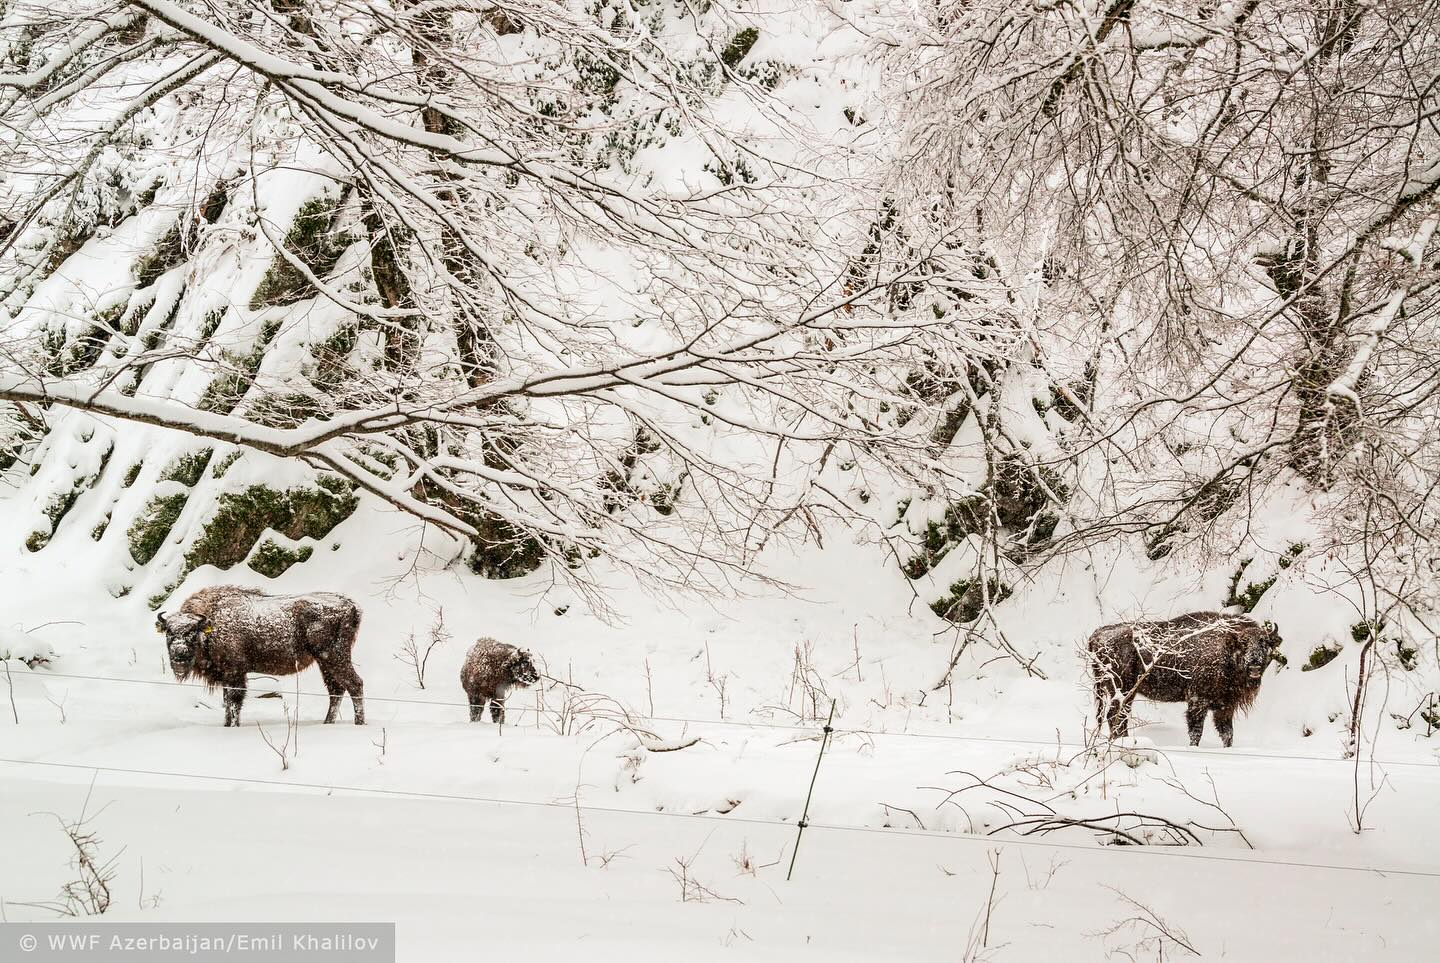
(643, 803)
(454, 874)
(446, 827)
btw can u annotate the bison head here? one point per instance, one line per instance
(521, 668)
(1255, 649)
(185, 635)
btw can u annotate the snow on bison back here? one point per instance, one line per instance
(222, 634)
(1210, 661)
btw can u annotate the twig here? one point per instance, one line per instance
(1215, 805)
(1149, 918)
(649, 690)
(901, 809)
(11, 684)
(292, 727)
(580, 828)
(994, 857)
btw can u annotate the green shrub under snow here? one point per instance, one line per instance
(272, 559)
(188, 468)
(967, 599)
(61, 502)
(242, 517)
(315, 242)
(152, 526)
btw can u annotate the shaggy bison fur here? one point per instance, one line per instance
(1211, 662)
(490, 671)
(222, 634)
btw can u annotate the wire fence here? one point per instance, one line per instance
(1173, 852)
(812, 729)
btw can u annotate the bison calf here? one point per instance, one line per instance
(490, 671)
(1211, 662)
(222, 634)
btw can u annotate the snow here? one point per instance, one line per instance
(421, 816)
(856, 896)
(642, 802)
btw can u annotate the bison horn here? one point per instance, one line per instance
(159, 621)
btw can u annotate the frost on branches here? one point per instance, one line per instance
(553, 277)
(1217, 221)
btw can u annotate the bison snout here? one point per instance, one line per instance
(182, 659)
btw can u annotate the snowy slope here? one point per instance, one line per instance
(893, 761)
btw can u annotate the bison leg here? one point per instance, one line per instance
(497, 711)
(1224, 717)
(1102, 701)
(336, 690)
(1195, 711)
(1112, 698)
(477, 708)
(350, 679)
(1119, 718)
(234, 699)
(1113, 708)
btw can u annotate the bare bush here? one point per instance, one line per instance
(89, 893)
(581, 711)
(807, 692)
(746, 865)
(1153, 932)
(416, 655)
(691, 889)
(1045, 795)
(59, 705)
(284, 747)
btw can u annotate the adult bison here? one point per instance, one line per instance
(1211, 662)
(222, 634)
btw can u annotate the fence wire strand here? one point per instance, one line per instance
(812, 729)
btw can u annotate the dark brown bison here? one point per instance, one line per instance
(490, 671)
(1211, 662)
(222, 634)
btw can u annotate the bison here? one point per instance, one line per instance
(490, 671)
(222, 634)
(1211, 662)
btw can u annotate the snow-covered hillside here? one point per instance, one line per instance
(757, 366)
(420, 814)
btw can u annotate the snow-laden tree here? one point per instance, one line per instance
(571, 279)
(1226, 210)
